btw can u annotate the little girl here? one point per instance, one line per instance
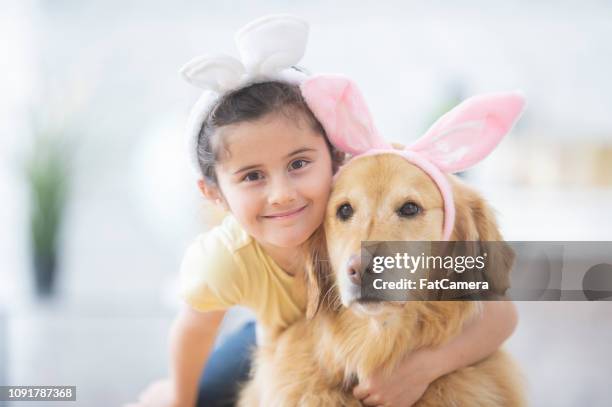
(265, 159)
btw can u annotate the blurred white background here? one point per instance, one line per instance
(104, 75)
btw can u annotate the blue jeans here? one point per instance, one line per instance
(227, 367)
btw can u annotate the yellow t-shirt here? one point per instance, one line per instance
(226, 267)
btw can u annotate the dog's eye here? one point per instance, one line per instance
(344, 212)
(408, 210)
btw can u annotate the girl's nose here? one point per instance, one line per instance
(282, 191)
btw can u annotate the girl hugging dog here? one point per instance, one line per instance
(264, 157)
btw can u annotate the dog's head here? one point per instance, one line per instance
(407, 195)
(386, 198)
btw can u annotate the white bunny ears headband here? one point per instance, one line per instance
(458, 140)
(269, 47)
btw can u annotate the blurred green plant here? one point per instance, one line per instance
(47, 174)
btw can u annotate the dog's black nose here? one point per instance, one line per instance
(353, 269)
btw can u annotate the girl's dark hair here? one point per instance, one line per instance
(251, 103)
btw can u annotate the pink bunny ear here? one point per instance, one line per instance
(340, 108)
(468, 133)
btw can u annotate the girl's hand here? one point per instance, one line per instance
(158, 394)
(403, 387)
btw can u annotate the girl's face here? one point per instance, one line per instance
(275, 176)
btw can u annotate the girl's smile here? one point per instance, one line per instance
(289, 214)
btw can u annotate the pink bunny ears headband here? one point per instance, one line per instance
(269, 47)
(458, 140)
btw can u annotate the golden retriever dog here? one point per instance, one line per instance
(316, 361)
(344, 339)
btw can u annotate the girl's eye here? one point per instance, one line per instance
(298, 164)
(252, 176)
(408, 210)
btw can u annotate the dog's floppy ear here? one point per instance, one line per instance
(318, 272)
(475, 221)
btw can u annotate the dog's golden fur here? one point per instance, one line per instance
(318, 360)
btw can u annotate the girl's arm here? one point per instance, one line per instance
(192, 337)
(479, 339)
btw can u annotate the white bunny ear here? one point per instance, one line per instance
(213, 72)
(273, 43)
